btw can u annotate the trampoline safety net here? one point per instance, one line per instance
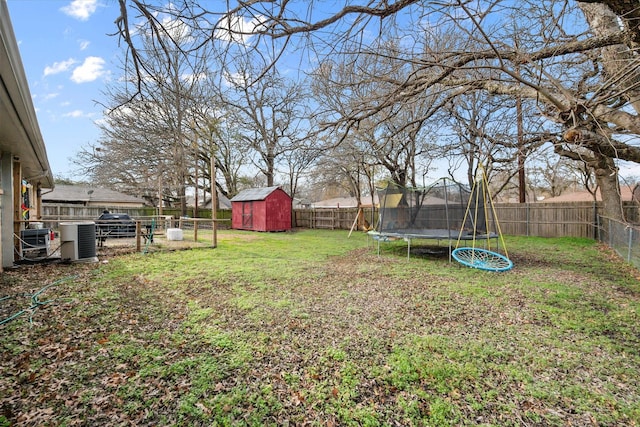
(437, 211)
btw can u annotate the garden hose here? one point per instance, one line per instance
(35, 301)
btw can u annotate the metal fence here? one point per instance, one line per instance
(46, 240)
(56, 213)
(622, 238)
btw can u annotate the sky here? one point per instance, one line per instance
(68, 58)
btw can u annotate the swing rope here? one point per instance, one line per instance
(483, 259)
(495, 217)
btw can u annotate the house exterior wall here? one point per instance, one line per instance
(6, 209)
(23, 153)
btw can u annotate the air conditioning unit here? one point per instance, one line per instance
(78, 241)
(36, 242)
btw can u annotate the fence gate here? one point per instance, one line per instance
(324, 218)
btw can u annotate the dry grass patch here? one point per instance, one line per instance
(312, 328)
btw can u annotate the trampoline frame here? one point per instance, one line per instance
(426, 234)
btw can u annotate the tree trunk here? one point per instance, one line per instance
(603, 21)
(607, 178)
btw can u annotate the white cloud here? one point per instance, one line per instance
(78, 114)
(51, 96)
(91, 69)
(80, 9)
(59, 67)
(237, 29)
(629, 170)
(235, 79)
(74, 114)
(84, 44)
(100, 122)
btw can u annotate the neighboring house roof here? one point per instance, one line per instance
(19, 132)
(626, 194)
(252, 194)
(223, 202)
(83, 193)
(301, 203)
(345, 202)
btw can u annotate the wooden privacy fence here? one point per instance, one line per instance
(331, 218)
(578, 219)
(571, 219)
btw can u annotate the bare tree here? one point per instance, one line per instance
(148, 145)
(229, 157)
(298, 163)
(267, 113)
(552, 176)
(130, 153)
(485, 136)
(396, 137)
(342, 169)
(481, 126)
(576, 60)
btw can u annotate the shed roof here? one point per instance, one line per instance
(252, 194)
(85, 193)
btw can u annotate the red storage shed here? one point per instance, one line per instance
(261, 209)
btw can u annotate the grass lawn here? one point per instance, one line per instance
(314, 328)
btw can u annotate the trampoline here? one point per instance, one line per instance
(437, 212)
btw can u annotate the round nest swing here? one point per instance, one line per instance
(482, 259)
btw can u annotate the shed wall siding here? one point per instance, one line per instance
(271, 214)
(260, 215)
(279, 212)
